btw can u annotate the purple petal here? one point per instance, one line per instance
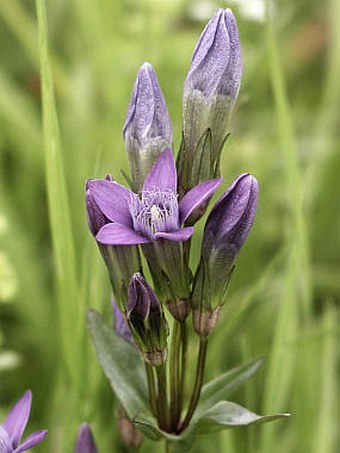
(147, 116)
(177, 236)
(32, 440)
(196, 196)
(17, 419)
(116, 234)
(112, 199)
(95, 217)
(85, 441)
(163, 174)
(5, 441)
(121, 326)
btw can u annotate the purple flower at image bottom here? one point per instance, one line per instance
(85, 441)
(12, 429)
(155, 214)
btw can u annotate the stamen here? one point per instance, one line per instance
(155, 211)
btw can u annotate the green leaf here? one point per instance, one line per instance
(122, 365)
(223, 385)
(226, 415)
(178, 443)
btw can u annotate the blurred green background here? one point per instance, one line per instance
(285, 129)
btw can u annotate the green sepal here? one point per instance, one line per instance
(202, 161)
(169, 272)
(121, 262)
(217, 163)
(227, 415)
(122, 365)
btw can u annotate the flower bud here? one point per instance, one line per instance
(147, 130)
(121, 326)
(129, 434)
(85, 441)
(225, 232)
(210, 90)
(121, 261)
(147, 321)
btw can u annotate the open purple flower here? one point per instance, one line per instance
(12, 429)
(155, 214)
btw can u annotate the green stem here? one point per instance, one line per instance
(198, 383)
(184, 340)
(175, 376)
(152, 387)
(162, 400)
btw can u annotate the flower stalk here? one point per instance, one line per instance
(202, 354)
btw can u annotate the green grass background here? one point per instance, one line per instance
(66, 73)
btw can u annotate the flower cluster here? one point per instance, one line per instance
(156, 216)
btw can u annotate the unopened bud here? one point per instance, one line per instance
(210, 90)
(226, 230)
(147, 321)
(147, 130)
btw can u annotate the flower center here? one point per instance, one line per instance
(155, 211)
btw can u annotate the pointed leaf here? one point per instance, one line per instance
(122, 365)
(220, 387)
(226, 415)
(179, 443)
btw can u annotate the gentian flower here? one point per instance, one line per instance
(147, 130)
(85, 441)
(210, 90)
(147, 321)
(153, 219)
(225, 232)
(156, 214)
(121, 262)
(12, 429)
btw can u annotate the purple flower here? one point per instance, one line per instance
(225, 232)
(147, 130)
(210, 90)
(12, 429)
(147, 321)
(216, 66)
(121, 262)
(85, 441)
(154, 215)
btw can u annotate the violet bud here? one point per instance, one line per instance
(121, 325)
(129, 434)
(226, 230)
(210, 90)
(147, 130)
(147, 321)
(85, 441)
